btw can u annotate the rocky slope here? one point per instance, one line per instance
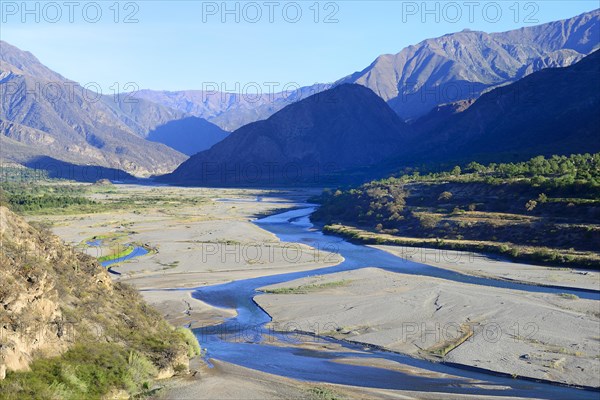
(329, 132)
(53, 298)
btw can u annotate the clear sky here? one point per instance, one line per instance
(176, 45)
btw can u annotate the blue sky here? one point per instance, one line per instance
(176, 45)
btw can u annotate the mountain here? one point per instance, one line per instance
(447, 69)
(227, 110)
(464, 65)
(189, 135)
(43, 114)
(553, 111)
(340, 128)
(60, 304)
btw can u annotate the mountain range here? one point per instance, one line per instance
(348, 128)
(447, 69)
(451, 97)
(463, 65)
(553, 111)
(50, 122)
(43, 114)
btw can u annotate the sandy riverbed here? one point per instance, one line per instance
(212, 243)
(494, 267)
(216, 242)
(543, 336)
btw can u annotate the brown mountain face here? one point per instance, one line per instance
(554, 111)
(53, 298)
(337, 129)
(42, 114)
(463, 65)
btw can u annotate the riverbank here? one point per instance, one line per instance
(488, 266)
(199, 240)
(509, 331)
(229, 381)
(212, 242)
(524, 254)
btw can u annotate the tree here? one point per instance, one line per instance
(456, 171)
(445, 196)
(531, 204)
(542, 198)
(475, 167)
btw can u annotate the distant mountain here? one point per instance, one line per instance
(229, 110)
(344, 127)
(44, 115)
(463, 65)
(554, 111)
(454, 67)
(189, 135)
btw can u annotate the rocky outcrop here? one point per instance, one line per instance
(53, 297)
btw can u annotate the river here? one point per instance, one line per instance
(244, 340)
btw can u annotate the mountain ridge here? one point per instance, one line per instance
(474, 61)
(412, 81)
(552, 111)
(341, 127)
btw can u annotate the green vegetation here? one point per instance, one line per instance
(323, 393)
(446, 347)
(123, 253)
(303, 289)
(35, 197)
(581, 170)
(569, 296)
(58, 197)
(111, 343)
(543, 210)
(190, 339)
(17, 173)
(87, 371)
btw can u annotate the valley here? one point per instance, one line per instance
(426, 227)
(206, 257)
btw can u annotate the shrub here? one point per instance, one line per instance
(190, 340)
(445, 196)
(531, 204)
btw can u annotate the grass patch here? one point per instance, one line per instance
(323, 393)
(189, 338)
(536, 254)
(124, 253)
(446, 347)
(568, 296)
(303, 289)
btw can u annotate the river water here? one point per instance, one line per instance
(244, 340)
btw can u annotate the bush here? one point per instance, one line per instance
(189, 338)
(445, 196)
(85, 371)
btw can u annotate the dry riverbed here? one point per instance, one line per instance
(211, 242)
(545, 336)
